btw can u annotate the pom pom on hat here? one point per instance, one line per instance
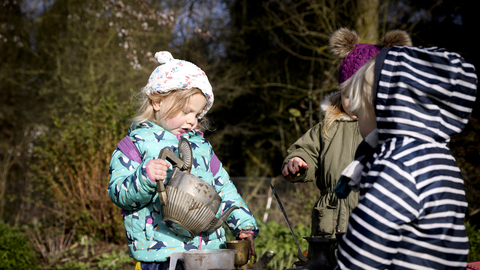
(396, 38)
(163, 57)
(343, 41)
(174, 74)
(344, 44)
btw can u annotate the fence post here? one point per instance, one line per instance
(269, 203)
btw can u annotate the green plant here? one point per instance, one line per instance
(15, 250)
(113, 260)
(277, 237)
(74, 265)
(474, 240)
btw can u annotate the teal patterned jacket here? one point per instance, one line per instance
(149, 240)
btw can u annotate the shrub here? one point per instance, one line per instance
(73, 161)
(15, 250)
(474, 239)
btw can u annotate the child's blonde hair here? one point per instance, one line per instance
(334, 111)
(359, 89)
(179, 100)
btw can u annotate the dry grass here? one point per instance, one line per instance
(51, 244)
(71, 170)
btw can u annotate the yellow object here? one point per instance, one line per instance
(138, 265)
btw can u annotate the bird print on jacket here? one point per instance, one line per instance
(148, 238)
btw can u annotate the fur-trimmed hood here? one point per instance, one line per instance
(326, 105)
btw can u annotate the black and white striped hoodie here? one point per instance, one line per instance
(412, 198)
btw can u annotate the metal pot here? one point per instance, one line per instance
(241, 258)
(243, 247)
(205, 259)
(189, 204)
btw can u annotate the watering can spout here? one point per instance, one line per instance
(217, 222)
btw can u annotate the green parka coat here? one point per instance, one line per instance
(326, 159)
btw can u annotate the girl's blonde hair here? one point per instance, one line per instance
(333, 112)
(176, 99)
(359, 89)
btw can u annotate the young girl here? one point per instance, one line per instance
(324, 151)
(409, 102)
(177, 96)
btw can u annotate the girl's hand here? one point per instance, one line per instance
(248, 236)
(157, 169)
(294, 165)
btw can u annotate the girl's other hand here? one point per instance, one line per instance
(294, 165)
(248, 236)
(157, 169)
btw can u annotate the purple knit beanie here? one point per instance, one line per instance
(344, 44)
(356, 59)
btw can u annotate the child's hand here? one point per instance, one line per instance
(157, 169)
(248, 236)
(294, 165)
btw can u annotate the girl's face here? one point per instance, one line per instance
(366, 124)
(345, 104)
(186, 119)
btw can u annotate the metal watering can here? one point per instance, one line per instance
(189, 204)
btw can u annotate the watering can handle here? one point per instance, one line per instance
(162, 193)
(167, 154)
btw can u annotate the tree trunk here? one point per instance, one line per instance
(367, 21)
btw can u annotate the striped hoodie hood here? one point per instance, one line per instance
(425, 93)
(412, 202)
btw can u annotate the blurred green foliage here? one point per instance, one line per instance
(106, 261)
(113, 260)
(71, 168)
(16, 252)
(74, 265)
(278, 238)
(474, 240)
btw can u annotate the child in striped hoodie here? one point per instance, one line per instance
(409, 102)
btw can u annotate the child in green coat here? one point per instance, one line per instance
(322, 153)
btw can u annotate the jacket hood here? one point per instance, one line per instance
(326, 105)
(425, 93)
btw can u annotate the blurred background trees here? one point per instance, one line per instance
(70, 70)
